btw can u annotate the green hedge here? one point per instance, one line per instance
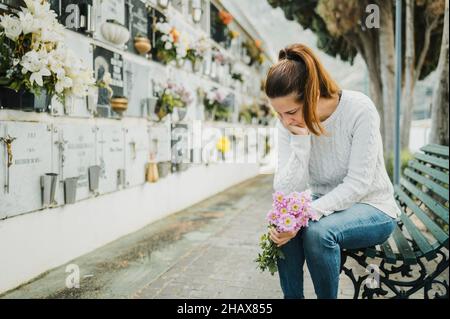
(405, 157)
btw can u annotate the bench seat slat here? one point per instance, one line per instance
(438, 189)
(436, 231)
(388, 253)
(432, 204)
(404, 248)
(436, 174)
(440, 162)
(370, 252)
(435, 149)
(424, 246)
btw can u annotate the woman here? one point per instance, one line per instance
(329, 141)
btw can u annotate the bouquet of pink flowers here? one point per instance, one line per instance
(289, 213)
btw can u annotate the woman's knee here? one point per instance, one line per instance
(318, 236)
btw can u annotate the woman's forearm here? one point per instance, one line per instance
(294, 152)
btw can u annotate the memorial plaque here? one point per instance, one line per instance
(136, 154)
(106, 61)
(74, 146)
(137, 88)
(110, 156)
(137, 18)
(113, 10)
(160, 142)
(30, 157)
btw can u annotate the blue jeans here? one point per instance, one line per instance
(320, 245)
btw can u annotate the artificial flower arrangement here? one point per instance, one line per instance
(219, 57)
(237, 72)
(250, 112)
(289, 213)
(171, 96)
(170, 44)
(233, 34)
(223, 145)
(237, 76)
(197, 51)
(216, 105)
(224, 18)
(34, 57)
(254, 50)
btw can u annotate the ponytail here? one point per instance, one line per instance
(299, 71)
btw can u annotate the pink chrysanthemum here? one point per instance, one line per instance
(303, 221)
(278, 197)
(279, 201)
(287, 223)
(283, 210)
(272, 217)
(294, 207)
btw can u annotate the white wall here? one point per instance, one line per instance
(33, 243)
(419, 135)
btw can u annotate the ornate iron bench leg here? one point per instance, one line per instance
(400, 289)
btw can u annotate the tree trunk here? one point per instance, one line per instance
(387, 51)
(408, 89)
(439, 110)
(367, 46)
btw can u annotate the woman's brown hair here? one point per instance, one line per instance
(299, 71)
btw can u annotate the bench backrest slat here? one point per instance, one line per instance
(427, 178)
(437, 232)
(440, 162)
(435, 149)
(436, 188)
(436, 207)
(432, 172)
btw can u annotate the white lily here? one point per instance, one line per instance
(29, 24)
(37, 76)
(31, 62)
(12, 26)
(63, 84)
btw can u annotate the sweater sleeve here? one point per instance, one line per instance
(293, 160)
(365, 144)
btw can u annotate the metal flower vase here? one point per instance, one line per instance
(48, 185)
(70, 190)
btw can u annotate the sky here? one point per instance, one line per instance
(277, 32)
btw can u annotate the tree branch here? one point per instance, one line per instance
(426, 45)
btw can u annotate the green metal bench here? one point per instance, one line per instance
(411, 260)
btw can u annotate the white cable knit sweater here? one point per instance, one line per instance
(345, 167)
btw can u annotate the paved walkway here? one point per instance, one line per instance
(205, 251)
